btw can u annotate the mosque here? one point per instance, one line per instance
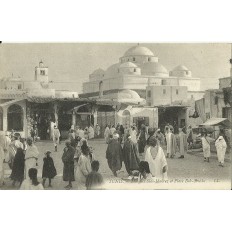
(137, 69)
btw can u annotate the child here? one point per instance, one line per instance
(49, 170)
(94, 179)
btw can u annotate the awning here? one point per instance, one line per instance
(217, 122)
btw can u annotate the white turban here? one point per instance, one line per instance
(115, 136)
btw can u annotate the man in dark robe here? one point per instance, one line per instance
(68, 160)
(114, 154)
(130, 156)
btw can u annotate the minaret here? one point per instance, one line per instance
(41, 73)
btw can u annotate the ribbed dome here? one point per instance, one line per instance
(180, 68)
(128, 65)
(138, 51)
(152, 68)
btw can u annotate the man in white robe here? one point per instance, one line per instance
(171, 143)
(156, 159)
(7, 148)
(221, 150)
(91, 132)
(31, 156)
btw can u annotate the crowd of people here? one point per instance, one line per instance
(141, 150)
(22, 157)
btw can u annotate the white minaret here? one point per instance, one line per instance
(41, 72)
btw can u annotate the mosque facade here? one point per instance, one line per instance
(137, 69)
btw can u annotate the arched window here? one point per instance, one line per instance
(15, 118)
(133, 58)
(1, 119)
(134, 69)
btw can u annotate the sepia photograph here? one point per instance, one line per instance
(87, 116)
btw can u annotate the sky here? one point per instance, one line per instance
(73, 62)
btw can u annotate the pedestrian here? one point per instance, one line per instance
(112, 130)
(142, 140)
(160, 137)
(31, 156)
(91, 132)
(145, 175)
(14, 145)
(205, 146)
(83, 166)
(107, 134)
(183, 145)
(171, 142)
(190, 136)
(2, 156)
(7, 146)
(114, 154)
(68, 161)
(71, 135)
(56, 137)
(156, 160)
(130, 155)
(97, 131)
(32, 183)
(49, 170)
(221, 150)
(94, 180)
(77, 131)
(133, 135)
(86, 133)
(81, 133)
(18, 168)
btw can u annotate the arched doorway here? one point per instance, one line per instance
(15, 118)
(1, 118)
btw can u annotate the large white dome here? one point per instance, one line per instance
(153, 68)
(139, 51)
(112, 70)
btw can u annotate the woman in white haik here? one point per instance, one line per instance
(221, 150)
(206, 146)
(156, 159)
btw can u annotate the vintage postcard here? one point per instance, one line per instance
(87, 116)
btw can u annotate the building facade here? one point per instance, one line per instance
(137, 69)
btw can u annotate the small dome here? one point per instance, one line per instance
(180, 68)
(152, 68)
(128, 94)
(138, 51)
(128, 65)
(98, 72)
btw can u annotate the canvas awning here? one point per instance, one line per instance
(217, 122)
